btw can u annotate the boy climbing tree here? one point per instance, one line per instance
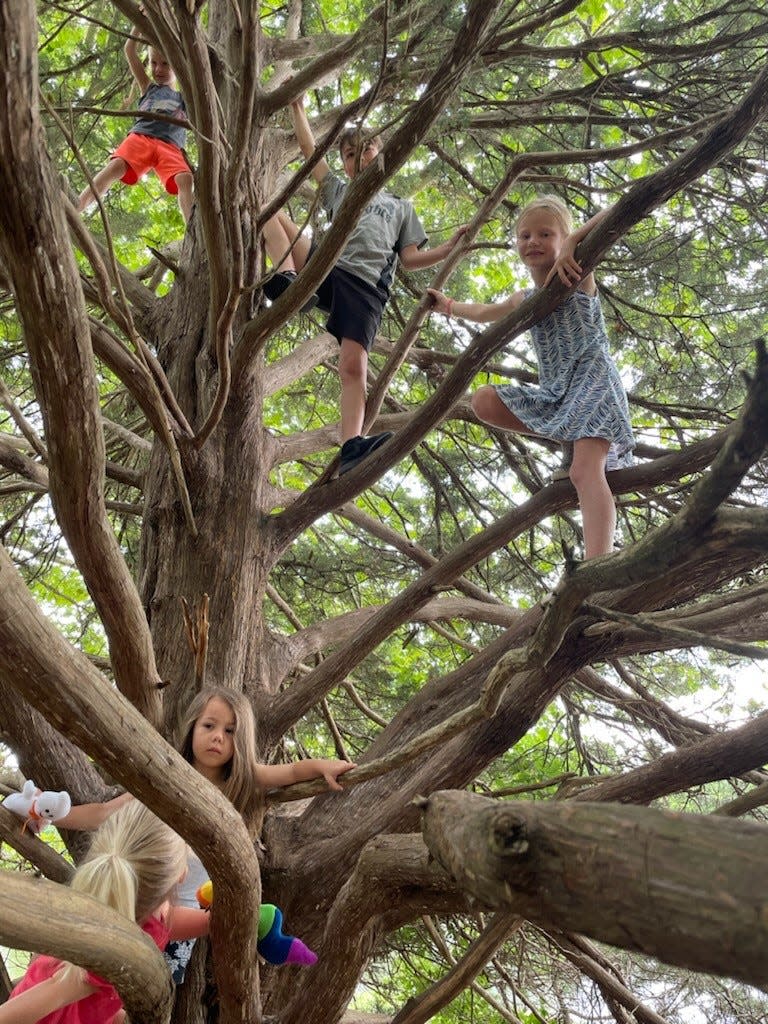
(151, 144)
(356, 289)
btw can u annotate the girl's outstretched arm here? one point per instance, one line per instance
(188, 923)
(479, 312)
(89, 816)
(42, 999)
(274, 776)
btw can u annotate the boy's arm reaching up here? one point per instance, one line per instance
(135, 63)
(413, 258)
(306, 139)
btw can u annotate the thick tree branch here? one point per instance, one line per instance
(720, 756)
(47, 918)
(633, 877)
(659, 625)
(34, 245)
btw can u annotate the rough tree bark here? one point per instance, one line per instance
(675, 886)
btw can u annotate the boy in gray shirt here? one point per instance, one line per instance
(357, 288)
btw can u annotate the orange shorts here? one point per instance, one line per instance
(143, 153)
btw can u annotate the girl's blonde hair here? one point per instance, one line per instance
(239, 774)
(132, 866)
(552, 205)
(133, 863)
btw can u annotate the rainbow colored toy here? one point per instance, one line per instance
(272, 944)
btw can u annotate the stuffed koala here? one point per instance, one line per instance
(38, 809)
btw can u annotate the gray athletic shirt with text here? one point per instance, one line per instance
(385, 227)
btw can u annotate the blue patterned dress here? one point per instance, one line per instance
(580, 393)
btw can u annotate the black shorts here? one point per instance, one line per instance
(355, 307)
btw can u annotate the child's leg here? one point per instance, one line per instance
(113, 172)
(184, 185)
(282, 235)
(353, 370)
(598, 509)
(488, 407)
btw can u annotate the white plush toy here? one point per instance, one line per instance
(38, 809)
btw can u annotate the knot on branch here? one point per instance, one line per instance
(509, 835)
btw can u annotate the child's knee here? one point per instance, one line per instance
(353, 363)
(587, 470)
(482, 401)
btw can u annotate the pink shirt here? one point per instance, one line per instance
(99, 1007)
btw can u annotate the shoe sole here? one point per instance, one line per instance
(355, 462)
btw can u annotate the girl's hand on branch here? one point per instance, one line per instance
(440, 303)
(565, 266)
(331, 769)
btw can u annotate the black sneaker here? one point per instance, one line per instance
(280, 282)
(356, 448)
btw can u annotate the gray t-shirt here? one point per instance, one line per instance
(162, 99)
(385, 227)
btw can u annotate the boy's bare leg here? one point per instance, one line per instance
(282, 235)
(106, 177)
(184, 185)
(353, 369)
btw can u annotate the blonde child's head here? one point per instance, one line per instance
(133, 863)
(160, 69)
(238, 775)
(549, 204)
